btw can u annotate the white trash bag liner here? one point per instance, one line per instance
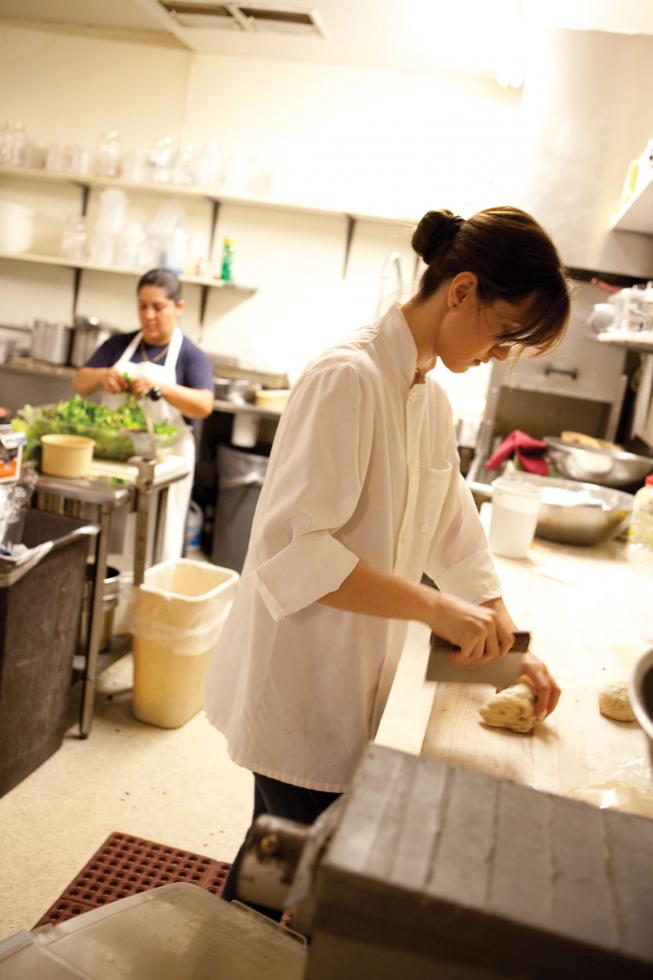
(176, 618)
(182, 605)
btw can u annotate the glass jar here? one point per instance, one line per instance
(73, 238)
(12, 143)
(160, 159)
(109, 155)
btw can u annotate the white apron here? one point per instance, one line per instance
(161, 411)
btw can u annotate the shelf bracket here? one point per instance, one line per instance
(86, 190)
(204, 295)
(351, 225)
(215, 211)
(77, 279)
(77, 272)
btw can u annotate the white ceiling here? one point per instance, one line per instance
(409, 35)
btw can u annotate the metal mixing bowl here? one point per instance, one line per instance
(641, 697)
(605, 467)
(597, 514)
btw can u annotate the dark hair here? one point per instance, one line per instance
(166, 279)
(512, 256)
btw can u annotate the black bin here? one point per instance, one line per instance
(240, 478)
(40, 607)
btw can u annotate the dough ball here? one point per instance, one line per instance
(615, 703)
(511, 708)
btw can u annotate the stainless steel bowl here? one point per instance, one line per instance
(585, 521)
(604, 467)
(240, 391)
(641, 697)
(589, 514)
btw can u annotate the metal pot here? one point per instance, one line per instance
(51, 341)
(89, 334)
(641, 697)
(110, 597)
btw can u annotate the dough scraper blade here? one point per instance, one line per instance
(499, 673)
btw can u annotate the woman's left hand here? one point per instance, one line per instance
(546, 689)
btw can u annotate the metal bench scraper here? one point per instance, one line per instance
(500, 673)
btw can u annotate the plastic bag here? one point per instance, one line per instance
(182, 605)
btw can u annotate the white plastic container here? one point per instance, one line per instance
(244, 431)
(63, 455)
(515, 508)
(273, 399)
(113, 211)
(16, 227)
(168, 933)
(176, 621)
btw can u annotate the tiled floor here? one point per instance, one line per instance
(176, 787)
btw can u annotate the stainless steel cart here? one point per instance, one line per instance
(99, 498)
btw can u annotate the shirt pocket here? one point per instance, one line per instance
(432, 493)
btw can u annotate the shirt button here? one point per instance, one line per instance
(424, 527)
(413, 396)
(423, 462)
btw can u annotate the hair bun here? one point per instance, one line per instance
(434, 233)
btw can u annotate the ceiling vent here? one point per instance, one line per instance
(243, 17)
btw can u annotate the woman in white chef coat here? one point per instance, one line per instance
(363, 494)
(168, 371)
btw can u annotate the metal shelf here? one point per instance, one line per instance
(184, 190)
(637, 213)
(90, 267)
(644, 346)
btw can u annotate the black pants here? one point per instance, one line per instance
(280, 800)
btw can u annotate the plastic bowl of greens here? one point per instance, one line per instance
(118, 433)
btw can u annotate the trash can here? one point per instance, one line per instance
(176, 619)
(40, 606)
(240, 478)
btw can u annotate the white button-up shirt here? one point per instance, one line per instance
(363, 467)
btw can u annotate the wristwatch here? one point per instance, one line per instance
(155, 394)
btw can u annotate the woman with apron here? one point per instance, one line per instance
(171, 375)
(363, 494)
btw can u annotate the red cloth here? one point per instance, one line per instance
(529, 452)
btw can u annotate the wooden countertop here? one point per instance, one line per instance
(591, 618)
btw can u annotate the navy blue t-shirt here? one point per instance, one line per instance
(193, 369)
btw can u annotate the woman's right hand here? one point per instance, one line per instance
(113, 381)
(477, 630)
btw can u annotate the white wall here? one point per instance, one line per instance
(587, 111)
(360, 139)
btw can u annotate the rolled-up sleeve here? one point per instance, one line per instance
(312, 490)
(459, 559)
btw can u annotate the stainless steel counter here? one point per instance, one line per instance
(139, 486)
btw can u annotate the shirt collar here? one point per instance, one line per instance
(394, 329)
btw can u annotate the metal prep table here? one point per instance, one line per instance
(136, 486)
